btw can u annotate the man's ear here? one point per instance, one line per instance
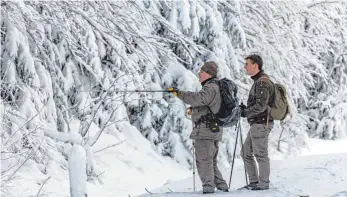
(257, 66)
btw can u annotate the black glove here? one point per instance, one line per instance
(243, 108)
(174, 91)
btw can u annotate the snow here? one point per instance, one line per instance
(316, 175)
(131, 166)
(64, 137)
(319, 171)
(77, 171)
(183, 16)
(320, 147)
(126, 169)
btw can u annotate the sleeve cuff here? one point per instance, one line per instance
(246, 112)
(179, 94)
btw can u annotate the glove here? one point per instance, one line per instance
(243, 108)
(189, 111)
(174, 91)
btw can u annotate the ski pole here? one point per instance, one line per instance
(243, 153)
(233, 161)
(125, 91)
(194, 165)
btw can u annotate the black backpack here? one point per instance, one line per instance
(229, 112)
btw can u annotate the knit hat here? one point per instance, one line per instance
(210, 68)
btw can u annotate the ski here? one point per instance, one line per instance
(245, 188)
(148, 191)
(230, 191)
(170, 191)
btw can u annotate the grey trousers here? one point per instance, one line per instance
(256, 145)
(206, 152)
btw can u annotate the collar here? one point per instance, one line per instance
(258, 75)
(207, 80)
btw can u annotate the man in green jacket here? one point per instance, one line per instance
(261, 123)
(206, 137)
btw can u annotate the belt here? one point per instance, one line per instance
(260, 120)
(203, 119)
(196, 124)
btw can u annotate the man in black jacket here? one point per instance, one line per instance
(261, 123)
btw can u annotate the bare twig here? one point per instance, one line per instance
(97, 176)
(104, 126)
(26, 159)
(84, 131)
(25, 123)
(280, 140)
(110, 146)
(44, 182)
(113, 122)
(5, 171)
(323, 2)
(13, 155)
(25, 135)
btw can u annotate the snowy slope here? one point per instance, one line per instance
(316, 176)
(124, 169)
(131, 166)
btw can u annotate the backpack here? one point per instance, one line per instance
(229, 112)
(279, 108)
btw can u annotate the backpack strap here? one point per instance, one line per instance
(268, 108)
(215, 81)
(210, 116)
(266, 78)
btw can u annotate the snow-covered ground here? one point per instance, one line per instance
(320, 147)
(316, 176)
(320, 171)
(125, 169)
(130, 167)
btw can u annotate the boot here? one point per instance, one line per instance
(250, 186)
(224, 190)
(208, 190)
(260, 188)
(223, 187)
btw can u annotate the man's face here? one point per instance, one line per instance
(251, 68)
(203, 76)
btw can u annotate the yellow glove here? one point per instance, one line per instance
(174, 91)
(189, 111)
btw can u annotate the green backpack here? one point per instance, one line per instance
(279, 109)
